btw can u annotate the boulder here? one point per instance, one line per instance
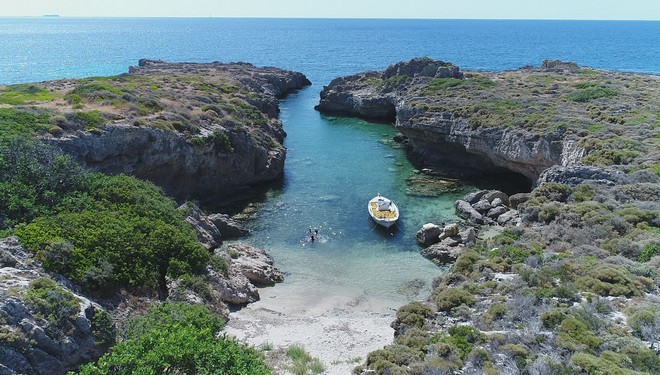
(255, 264)
(495, 194)
(429, 234)
(507, 217)
(516, 199)
(482, 206)
(207, 232)
(468, 237)
(495, 212)
(497, 202)
(443, 252)
(475, 197)
(450, 230)
(466, 211)
(228, 227)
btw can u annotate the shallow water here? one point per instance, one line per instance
(333, 167)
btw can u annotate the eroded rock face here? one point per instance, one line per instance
(201, 131)
(31, 344)
(255, 264)
(446, 140)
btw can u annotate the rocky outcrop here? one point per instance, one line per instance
(201, 131)
(442, 138)
(581, 174)
(490, 207)
(31, 342)
(445, 245)
(255, 264)
(207, 232)
(235, 284)
(228, 227)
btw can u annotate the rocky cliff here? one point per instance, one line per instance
(201, 131)
(522, 121)
(46, 327)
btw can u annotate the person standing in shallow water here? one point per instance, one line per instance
(313, 235)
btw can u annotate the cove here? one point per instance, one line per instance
(334, 166)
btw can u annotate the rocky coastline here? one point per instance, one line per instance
(560, 279)
(199, 131)
(202, 131)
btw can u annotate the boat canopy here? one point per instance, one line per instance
(384, 205)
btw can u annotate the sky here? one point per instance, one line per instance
(440, 9)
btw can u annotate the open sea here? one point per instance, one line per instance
(334, 165)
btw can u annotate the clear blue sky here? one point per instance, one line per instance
(497, 9)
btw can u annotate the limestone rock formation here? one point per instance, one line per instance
(201, 131)
(450, 244)
(440, 133)
(487, 207)
(207, 232)
(35, 341)
(255, 264)
(228, 227)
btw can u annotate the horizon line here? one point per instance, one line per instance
(55, 16)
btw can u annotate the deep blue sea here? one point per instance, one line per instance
(334, 166)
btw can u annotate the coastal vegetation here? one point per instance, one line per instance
(573, 286)
(103, 232)
(178, 338)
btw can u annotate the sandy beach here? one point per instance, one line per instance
(338, 328)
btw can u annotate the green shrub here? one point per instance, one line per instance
(179, 349)
(496, 311)
(413, 338)
(609, 280)
(219, 265)
(87, 120)
(52, 302)
(448, 298)
(16, 123)
(411, 315)
(583, 192)
(649, 251)
(103, 328)
(462, 337)
(591, 93)
(21, 93)
(465, 263)
(576, 336)
(123, 233)
(597, 365)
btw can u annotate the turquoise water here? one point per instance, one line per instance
(334, 166)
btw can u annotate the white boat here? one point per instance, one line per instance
(383, 211)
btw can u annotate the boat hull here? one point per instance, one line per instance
(383, 211)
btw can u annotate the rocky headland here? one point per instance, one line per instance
(198, 131)
(202, 131)
(560, 279)
(523, 121)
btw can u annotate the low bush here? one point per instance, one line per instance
(52, 302)
(448, 298)
(410, 316)
(576, 336)
(609, 280)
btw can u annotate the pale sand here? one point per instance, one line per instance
(338, 327)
